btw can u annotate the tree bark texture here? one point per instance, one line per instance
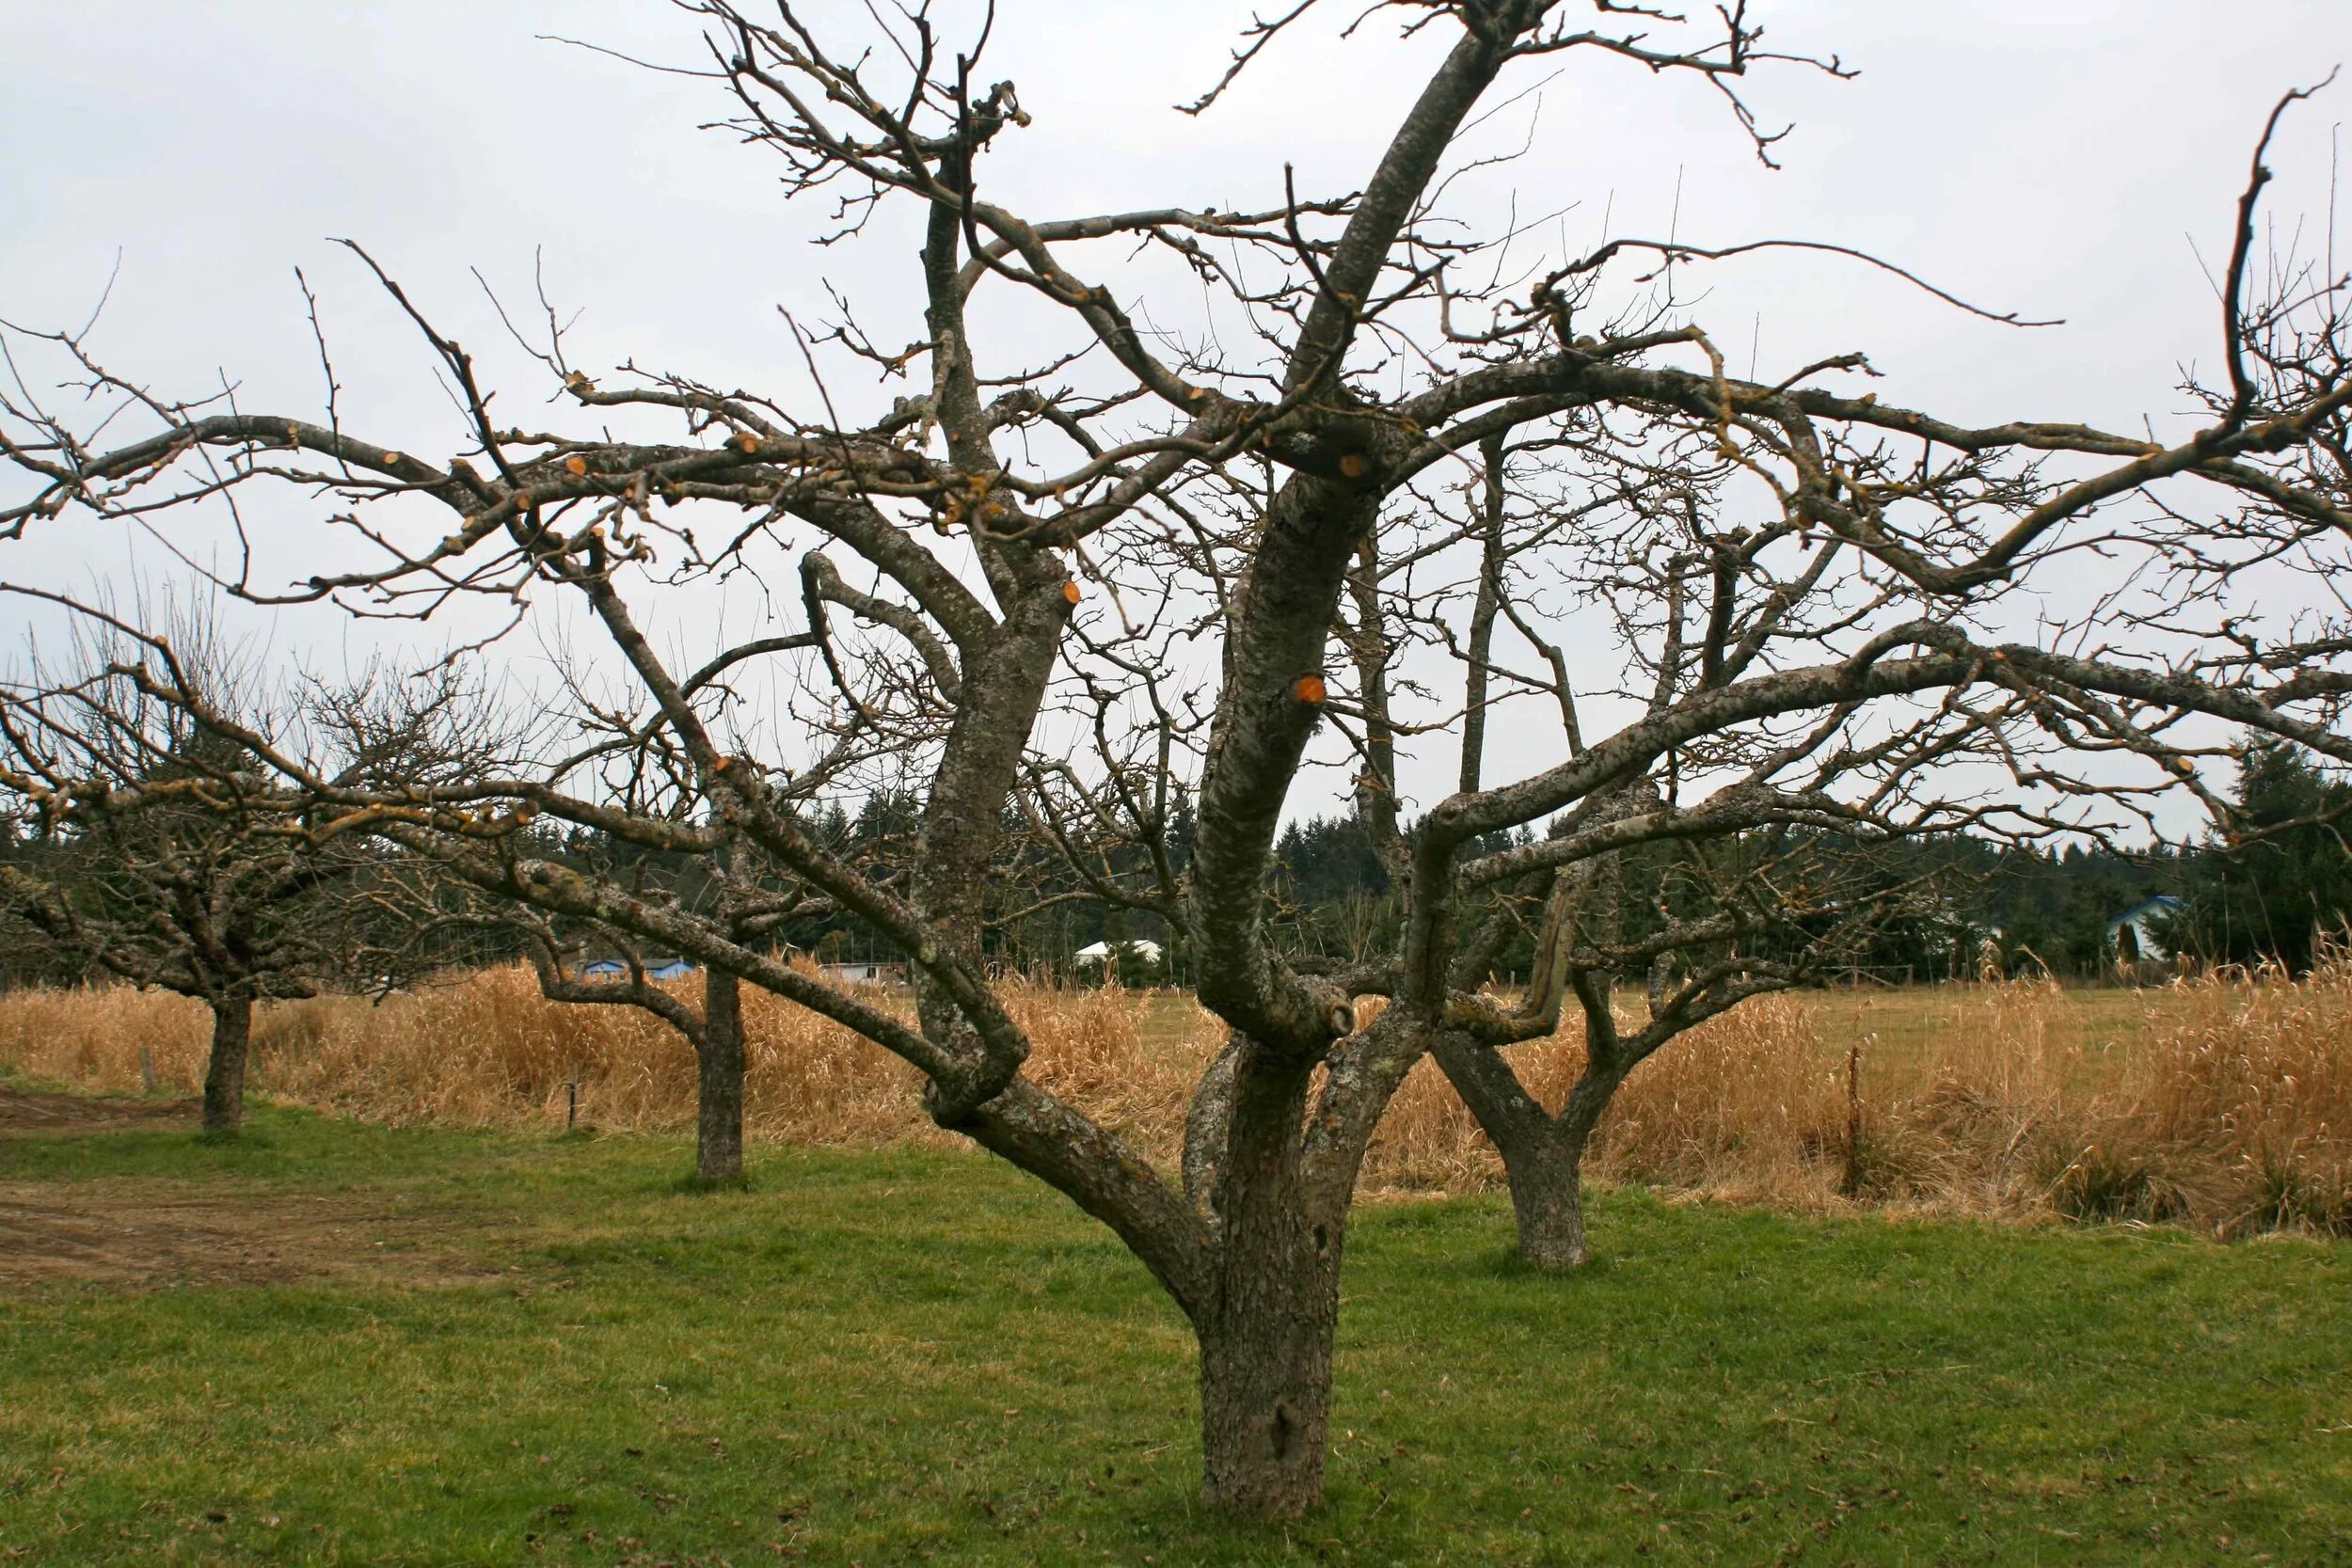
(719, 1058)
(1267, 1333)
(1543, 1155)
(1547, 1200)
(224, 1073)
(1548, 1179)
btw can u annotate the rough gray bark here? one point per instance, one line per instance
(1548, 1205)
(1266, 1331)
(719, 1064)
(1543, 1155)
(715, 1032)
(224, 1068)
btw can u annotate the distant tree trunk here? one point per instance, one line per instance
(1266, 1335)
(1543, 1155)
(1547, 1181)
(224, 1074)
(719, 1144)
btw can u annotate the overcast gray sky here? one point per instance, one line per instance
(2047, 155)
(2054, 157)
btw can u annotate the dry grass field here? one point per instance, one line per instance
(2225, 1105)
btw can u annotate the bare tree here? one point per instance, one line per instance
(1857, 546)
(715, 1030)
(748, 915)
(1742, 854)
(1034, 585)
(161, 853)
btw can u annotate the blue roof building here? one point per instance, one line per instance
(617, 969)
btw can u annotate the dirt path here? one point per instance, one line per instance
(151, 1232)
(140, 1232)
(24, 1113)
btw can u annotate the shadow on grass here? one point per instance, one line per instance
(700, 1186)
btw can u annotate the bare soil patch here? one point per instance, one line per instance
(141, 1233)
(153, 1232)
(25, 1113)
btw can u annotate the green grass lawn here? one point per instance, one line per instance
(559, 1356)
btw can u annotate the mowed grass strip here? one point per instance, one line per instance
(915, 1356)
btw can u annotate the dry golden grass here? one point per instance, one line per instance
(2224, 1102)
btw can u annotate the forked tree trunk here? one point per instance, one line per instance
(1265, 1339)
(224, 1073)
(719, 1058)
(1543, 1155)
(1548, 1177)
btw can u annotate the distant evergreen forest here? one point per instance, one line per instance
(2275, 891)
(2270, 895)
(2053, 905)
(2276, 887)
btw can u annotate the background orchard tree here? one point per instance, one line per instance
(1084, 544)
(559, 954)
(715, 1030)
(153, 849)
(1739, 857)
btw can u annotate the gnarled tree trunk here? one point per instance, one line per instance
(224, 1073)
(718, 1059)
(1543, 1155)
(1548, 1179)
(1548, 1201)
(1267, 1333)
